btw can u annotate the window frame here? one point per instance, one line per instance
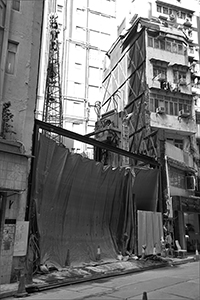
(172, 104)
(165, 10)
(159, 8)
(14, 53)
(16, 5)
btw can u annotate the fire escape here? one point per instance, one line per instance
(52, 110)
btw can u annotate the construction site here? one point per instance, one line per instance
(137, 201)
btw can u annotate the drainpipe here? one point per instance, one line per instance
(4, 51)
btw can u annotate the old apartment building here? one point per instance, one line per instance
(20, 27)
(150, 104)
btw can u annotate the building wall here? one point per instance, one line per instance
(175, 134)
(19, 59)
(89, 35)
(21, 90)
(87, 30)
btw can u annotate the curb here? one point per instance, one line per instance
(34, 289)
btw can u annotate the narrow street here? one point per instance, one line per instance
(172, 283)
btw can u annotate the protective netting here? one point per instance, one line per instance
(81, 205)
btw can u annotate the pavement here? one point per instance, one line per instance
(90, 272)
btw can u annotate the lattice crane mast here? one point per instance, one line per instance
(52, 110)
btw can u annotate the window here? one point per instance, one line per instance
(78, 90)
(189, 16)
(162, 45)
(95, 38)
(174, 48)
(160, 73)
(75, 108)
(179, 76)
(178, 143)
(172, 104)
(180, 48)
(94, 74)
(156, 43)
(80, 33)
(168, 46)
(175, 109)
(93, 94)
(79, 72)
(105, 41)
(11, 57)
(94, 21)
(171, 111)
(165, 10)
(2, 14)
(152, 105)
(81, 17)
(16, 5)
(167, 107)
(59, 8)
(78, 66)
(159, 8)
(182, 15)
(105, 24)
(150, 41)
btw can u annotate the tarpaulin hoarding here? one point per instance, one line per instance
(80, 205)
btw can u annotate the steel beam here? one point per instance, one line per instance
(87, 140)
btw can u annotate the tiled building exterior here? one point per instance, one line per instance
(20, 28)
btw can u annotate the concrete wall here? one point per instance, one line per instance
(173, 123)
(20, 88)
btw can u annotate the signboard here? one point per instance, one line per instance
(21, 238)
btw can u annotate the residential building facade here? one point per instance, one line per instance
(20, 28)
(152, 106)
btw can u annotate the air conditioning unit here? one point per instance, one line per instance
(160, 110)
(184, 113)
(190, 183)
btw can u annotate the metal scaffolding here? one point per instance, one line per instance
(52, 110)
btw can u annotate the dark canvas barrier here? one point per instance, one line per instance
(80, 205)
(146, 189)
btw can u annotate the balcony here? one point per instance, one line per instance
(173, 123)
(179, 155)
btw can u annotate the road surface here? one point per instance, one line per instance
(172, 283)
